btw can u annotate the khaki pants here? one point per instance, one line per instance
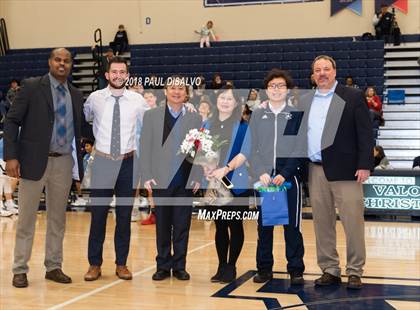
(57, 180)
(347, 197)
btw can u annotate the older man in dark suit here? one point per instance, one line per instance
(170, 177)
(340, 144)
(39, 131)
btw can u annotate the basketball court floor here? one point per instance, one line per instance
(391, 279)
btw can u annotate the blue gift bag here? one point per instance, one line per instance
(274, 205)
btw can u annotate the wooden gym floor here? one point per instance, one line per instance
(392, 272)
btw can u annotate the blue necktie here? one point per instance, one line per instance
(115, 132)
(60, 116)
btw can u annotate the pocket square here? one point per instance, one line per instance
(264, 117)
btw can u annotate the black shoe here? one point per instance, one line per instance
(229, 274)
(57, 275)
(161, 275)
(354, 283)
(296, 279)
(181, 274)
(327, 279)
(263, 276)
(20, 280)
(217, 277)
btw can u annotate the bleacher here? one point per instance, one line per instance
(247, 62)
(24, 63)
(244, 62)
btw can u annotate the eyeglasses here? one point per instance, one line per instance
(278, 86)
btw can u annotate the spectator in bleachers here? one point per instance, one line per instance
(229, 83)
(120, 43)
(381, 162)
(350, 82)
(138, 88)
(312, 84)
(416, 162)
(7, 187)
(204, 109)
(375, 106)
(104, 64)
(11, 93)
(382, 21)
(88, 150)
(205, 33)
(216, 81)
(246, 113)
(253, 101)
(4, 106)
(198, 92)
(150, 98)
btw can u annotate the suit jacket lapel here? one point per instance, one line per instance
(46, 89)
(76, 109)
(334, 115)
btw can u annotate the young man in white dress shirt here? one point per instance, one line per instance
(115, 112)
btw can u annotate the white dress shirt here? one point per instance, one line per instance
(316, 122)
(99, 108)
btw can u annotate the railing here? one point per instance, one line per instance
(4, 39)
(97, 57)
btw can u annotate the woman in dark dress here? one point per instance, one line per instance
(226, 123)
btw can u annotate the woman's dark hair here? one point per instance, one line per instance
(278, 73)
(250, 91)
(380, 150)
(215, 85)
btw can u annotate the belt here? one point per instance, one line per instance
(54, 154)
(318, 163)
(119, 157)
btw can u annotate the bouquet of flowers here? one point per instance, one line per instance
(200, 145)
(202, 149)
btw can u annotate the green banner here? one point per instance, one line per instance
(397, 193)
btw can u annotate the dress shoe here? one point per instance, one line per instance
(229, 274)
(57, 275)
(217, 277)
(296, 279)
(20, 280)
(93, 273)
(354, 283)
(123, 273)
(263, 276)
(327, 279)
(182, 274)
(161, 275)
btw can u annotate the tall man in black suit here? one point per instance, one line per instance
(170, 176)
(38, 133)
(340, 150)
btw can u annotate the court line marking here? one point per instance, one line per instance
(102, 288)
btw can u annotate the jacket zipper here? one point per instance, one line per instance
(275, 143)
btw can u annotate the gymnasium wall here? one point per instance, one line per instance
(48, 23)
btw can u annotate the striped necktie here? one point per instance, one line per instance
(60, 116)
(115, 132)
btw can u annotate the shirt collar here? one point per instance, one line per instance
(108, 92)
(327, 94)
(54, 82)
(183, 110)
